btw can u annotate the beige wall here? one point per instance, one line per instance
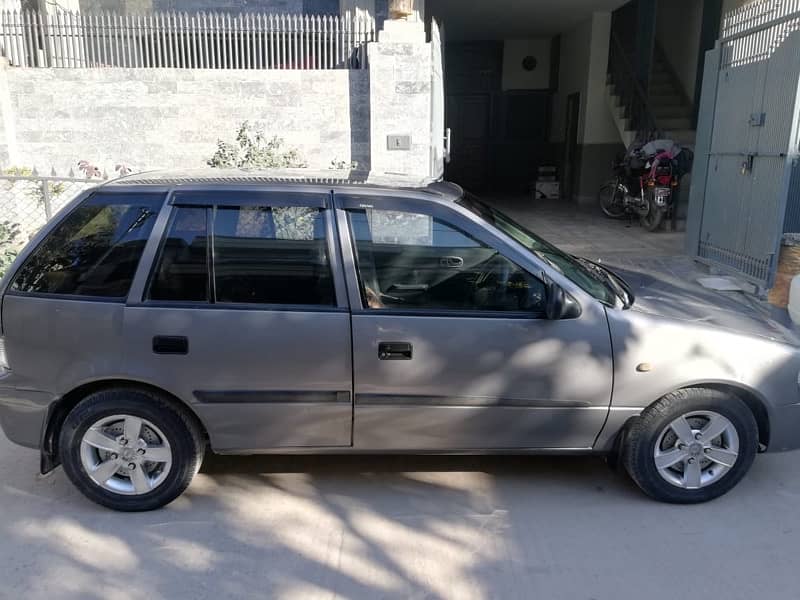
(515, 77)
(599, 126)
(572, 75)
(584, 62)
(678, 33)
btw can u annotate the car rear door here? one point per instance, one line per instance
(451, 348)
(244, 315)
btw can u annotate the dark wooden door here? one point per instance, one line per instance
(469, 117)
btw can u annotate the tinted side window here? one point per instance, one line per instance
(95, 250)
(415, 261)
(181, 272)
(273, 255)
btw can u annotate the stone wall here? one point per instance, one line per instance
(161, 118)
(400, 98)
(324, 7)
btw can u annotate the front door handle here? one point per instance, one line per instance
(451, 262)
(170, 344)
(395, 351)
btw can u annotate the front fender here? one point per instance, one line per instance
(655, 355)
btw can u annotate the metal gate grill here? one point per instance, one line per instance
(747, 140)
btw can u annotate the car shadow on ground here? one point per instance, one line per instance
(364, 527)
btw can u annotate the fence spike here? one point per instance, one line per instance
(34, 172)
(104, 175)
(71, 172)
(53, 172)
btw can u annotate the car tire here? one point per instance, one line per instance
(153, 469)
(668, 455)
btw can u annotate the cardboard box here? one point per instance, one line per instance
(549, 190)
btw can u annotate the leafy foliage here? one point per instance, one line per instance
(254, 150)
(9, 241)
(91, 171)
(342, 165)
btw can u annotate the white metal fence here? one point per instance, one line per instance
(754, 31)
(27, 202)
(185, 41)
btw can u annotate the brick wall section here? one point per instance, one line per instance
(172, 118)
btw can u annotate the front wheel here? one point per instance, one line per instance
(691, 446)
(130, 449)
(612, 199)
(654, 217)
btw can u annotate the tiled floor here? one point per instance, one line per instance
(585, 231)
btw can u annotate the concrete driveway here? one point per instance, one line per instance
(442, 527)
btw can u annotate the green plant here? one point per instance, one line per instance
(341, 165)
(254, 150)
(36, 191)
(9, 242)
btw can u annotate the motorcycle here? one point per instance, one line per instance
(644, 183)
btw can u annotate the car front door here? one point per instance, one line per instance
(244, 315)
(451, 349)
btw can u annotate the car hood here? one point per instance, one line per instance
(689, 302)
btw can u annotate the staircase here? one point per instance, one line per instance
(663, 111)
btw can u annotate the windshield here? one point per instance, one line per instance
(592, 278)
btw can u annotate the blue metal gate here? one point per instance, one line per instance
(745, 187)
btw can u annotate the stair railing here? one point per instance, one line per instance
(629, 90)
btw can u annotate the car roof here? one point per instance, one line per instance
(327, 180)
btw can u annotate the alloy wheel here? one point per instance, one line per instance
(126, 454)
(696, 450)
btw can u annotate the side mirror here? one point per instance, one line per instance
(558, 304)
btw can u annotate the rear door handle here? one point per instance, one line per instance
(395, 351)
(170, 344)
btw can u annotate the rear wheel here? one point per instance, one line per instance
(691, 446)
(612, 199)
(130, 449)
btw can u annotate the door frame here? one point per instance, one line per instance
(235, 417)
(463, 218)
(413, 416)
(572, 119)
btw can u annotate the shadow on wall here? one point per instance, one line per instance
(360, 120)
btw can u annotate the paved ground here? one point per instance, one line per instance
(461, 527)
(407, 527)
(585, 231)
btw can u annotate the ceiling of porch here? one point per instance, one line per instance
(513, 19)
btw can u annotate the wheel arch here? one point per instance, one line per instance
(750, 397)
(59, 410)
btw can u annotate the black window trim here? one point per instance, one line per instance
(248, 197)
(73, 297)
(78, 201)
(315, 201)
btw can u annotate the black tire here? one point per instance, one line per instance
(611, 197)
(654, 218)
(185, 439)
(641, 438)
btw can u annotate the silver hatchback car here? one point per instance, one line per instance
(162, 314)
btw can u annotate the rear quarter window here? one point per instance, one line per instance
(95, 250)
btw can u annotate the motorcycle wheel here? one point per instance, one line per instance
(653, 219)
(612, 199)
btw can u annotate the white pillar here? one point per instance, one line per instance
(355, 7)
(400, 72)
